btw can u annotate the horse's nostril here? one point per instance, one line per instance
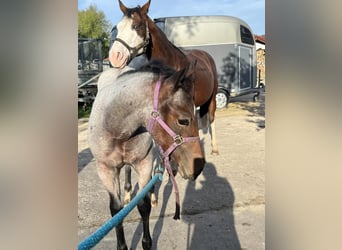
(118, 55)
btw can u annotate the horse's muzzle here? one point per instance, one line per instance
(118, 56)
(197, 169)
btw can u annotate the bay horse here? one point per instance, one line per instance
(138, 34)
(153, 97)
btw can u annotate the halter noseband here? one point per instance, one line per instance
(134, 51)
(177, 141)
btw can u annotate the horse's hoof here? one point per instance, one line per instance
(123, 247)
(125, 202)
(215, 152)
(154, 203)
(127, 199)
(154, 200)
(147, 244)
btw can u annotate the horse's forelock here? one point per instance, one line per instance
(182, 80)
(130, 12)
(187, 85)
(137, 17)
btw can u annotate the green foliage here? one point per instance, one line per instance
(84, 110)
(92, 23)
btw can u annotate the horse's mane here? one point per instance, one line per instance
(157, 67)
(154, 66)
(137, 9)
(161, 34)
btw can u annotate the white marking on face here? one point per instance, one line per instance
(126, 33)
(118, 54)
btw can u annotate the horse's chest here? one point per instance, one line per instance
(136, 148)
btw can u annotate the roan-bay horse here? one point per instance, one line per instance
(120, 131)
(138, 34)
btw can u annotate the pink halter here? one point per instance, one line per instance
(177, 141)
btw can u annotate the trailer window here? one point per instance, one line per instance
(246, 35)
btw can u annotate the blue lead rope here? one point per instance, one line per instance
(100, 233)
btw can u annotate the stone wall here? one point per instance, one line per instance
(261, 66)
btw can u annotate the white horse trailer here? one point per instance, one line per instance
(229, 40)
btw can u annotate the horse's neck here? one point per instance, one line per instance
(131, 106)
(162, 49)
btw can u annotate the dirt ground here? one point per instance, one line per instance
(223, 209)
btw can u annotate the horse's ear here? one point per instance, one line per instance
(188, 72)
(145, 7)
(123, 8)
(190, 68)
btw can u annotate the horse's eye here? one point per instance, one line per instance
(184, 122)
(135, 26)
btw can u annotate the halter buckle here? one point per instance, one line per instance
(178, 139)
(154, 114)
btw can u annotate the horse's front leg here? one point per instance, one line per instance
(110, 178)
(144, 207)
(212, 131)
(128, 184)
(128, 188)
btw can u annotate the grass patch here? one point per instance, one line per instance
(83, 111)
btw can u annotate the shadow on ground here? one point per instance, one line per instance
(207, 211)
(216, 197)
(252, 109)
(84, 157)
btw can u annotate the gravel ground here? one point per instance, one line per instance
(223, 209)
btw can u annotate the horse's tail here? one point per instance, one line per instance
(212, 102)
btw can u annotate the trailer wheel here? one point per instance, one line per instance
(222, 99)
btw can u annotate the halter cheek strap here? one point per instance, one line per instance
(177, 141)
(155, 117)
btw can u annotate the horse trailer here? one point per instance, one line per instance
(229, 40)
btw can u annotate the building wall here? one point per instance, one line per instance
(261, 65)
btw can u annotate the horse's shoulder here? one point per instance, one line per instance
(204, 60)
(197, 54)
